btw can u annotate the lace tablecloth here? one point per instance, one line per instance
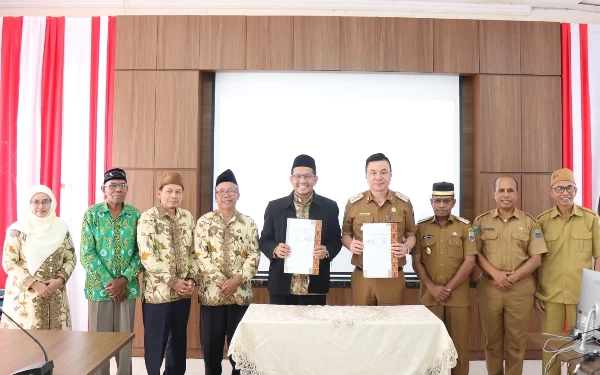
(404, 340)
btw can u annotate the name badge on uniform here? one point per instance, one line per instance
(427, 250)
(427, 236)
(364, 214)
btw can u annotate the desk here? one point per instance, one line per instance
(586, 367)
(276, 339)
(76, 353)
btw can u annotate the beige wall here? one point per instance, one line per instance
(554, 15)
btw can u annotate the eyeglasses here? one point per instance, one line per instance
(561, 189)
(43, 202)
(231, 193)
(446, 201)
(305, 176)
(113, 187)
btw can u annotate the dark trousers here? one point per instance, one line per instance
(165, 328)
(292, 299)
(216, 322)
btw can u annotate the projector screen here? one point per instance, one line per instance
(264, 120)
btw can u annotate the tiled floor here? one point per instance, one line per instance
(196, 367)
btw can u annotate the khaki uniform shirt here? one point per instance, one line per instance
(299, 283)
(572, 243)
(362, 209)
(226, 251)
(443, 251)
(167, 252)
(507, 245)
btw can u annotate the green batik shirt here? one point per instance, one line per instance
(109, 250)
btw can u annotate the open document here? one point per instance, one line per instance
(302, 236)
(378, 261)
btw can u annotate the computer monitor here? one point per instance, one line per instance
(588, 310)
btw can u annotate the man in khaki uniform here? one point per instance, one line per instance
(572, 235)
(378, 205)
(509, 246)
(443, 259)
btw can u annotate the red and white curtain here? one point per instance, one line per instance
(581, 108)
(56, 97)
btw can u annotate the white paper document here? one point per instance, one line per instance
(377, 253)
(300, 237)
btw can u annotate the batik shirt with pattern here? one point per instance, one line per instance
(167, 253)
(226, 250)
(109, 250)
(299, 283)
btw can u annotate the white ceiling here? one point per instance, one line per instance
(501, 7)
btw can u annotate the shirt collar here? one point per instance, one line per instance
(516, 213)
(388, 196)
(235, 217)
(104, 208)
(162, 212)
(297, 199)
(577, 211)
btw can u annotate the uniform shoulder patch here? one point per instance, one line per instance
(483, 214)
(463, 220)
(356, 198)
(428, 218)
(401, 196)
(544, 213)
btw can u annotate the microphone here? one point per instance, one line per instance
(40, 368)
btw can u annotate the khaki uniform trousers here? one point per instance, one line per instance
(108, 316)
(505, 315)
(457, 321)
(377, 292)
(553, 321)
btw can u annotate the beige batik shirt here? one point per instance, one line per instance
(226, 250)
(299, 283)
(167, 252)
(21, 302)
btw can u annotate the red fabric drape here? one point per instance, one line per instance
(94, 67)
(567, 114)
(52, 102)
(9, 104)
(110, 90)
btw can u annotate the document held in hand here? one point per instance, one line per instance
(302, 236)
(378, 261)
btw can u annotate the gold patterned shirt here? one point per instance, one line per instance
(299, 283)
(167, 252)
(226, 250)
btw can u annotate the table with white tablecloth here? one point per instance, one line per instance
(405, 340)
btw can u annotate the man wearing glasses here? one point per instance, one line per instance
(226, 248)
(572, 235)
(379, 204)
(302, 203)
(110, 256)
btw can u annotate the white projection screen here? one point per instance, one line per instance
(263, 120)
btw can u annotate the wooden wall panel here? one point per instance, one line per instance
(222, 42)
(134, 119)
(135, 43)
(499, 119)
(540, 48)
(467, 164)
(536, 193)
(205, 142)
(177, 119)
(270, 43)
(408, 45)
(455, 46)
(363, 47)
(486, 191)
(316, 43)
(189, 192)
(178, 42)
(541, 125)
(499, 47)
(142, 187)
